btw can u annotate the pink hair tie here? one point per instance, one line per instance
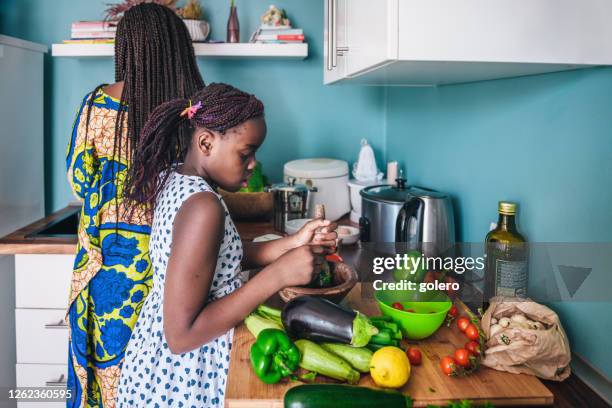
(191, 110)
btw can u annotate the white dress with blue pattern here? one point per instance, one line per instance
(151, 375)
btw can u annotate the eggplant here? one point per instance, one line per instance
(318, 319)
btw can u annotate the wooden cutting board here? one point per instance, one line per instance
(427, 384)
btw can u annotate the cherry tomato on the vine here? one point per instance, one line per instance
(448, 365)
(472, 332)
(463, 323)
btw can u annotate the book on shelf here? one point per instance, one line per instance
(94, 26)
(91, 35)
(277, 42)
(280, 37)
(265, 27)
(277, 36)
(285, 31)
(90, 41)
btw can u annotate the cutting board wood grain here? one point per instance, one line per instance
(427, 384)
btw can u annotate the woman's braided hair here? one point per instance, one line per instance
(154, 57)
(162, 145)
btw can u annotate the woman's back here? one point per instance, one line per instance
(112, 272)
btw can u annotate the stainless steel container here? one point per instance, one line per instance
(290, 202)
(418, 216)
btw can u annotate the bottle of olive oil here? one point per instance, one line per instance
(507, 256)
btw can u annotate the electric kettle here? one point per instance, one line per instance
(426, 222)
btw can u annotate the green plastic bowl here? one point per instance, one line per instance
(429, 311)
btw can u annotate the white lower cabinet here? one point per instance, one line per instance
(42, 281)
(42, 284)
(41, 336)
(50, 376)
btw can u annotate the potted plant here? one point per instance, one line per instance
(192, 16)
(116, 10)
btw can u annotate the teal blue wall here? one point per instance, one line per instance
(544, 141)
(305, 118)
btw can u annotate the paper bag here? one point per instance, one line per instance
(543, 352)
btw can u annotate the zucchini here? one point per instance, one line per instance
(358, 357)
(316, 358)
(343, 396)
(256, 323)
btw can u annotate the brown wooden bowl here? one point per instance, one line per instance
(249, 206)
(344, 277)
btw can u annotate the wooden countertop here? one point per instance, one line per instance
(18, 242)
(570, 393)
(427, 384)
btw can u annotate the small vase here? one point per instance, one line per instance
(233, 27)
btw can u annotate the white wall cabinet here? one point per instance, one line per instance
(334, 34)
(436, 42)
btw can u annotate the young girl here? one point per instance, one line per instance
(179, 351)
(112, 272)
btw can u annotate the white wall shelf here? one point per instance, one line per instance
(224, 50)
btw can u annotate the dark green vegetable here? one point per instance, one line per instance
(316, 358)
(393, 327)
(358, 357)
(343, 396)
(383, 337)
(274, 356)
(382, 318)
(375, 347)
(318, 319)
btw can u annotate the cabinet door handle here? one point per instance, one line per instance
(59, 325)
(341, 50)
(61, 382)
(330, 46)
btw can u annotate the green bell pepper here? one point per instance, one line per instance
(274, 356)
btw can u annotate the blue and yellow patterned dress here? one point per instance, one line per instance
(112, 271)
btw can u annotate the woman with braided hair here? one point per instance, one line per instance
(179, 351)
(154, 63)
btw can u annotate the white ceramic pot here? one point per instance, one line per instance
(198, 29)
(355, 187)
(330, 177)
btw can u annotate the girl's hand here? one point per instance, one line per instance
(298, 266)
(325, 237)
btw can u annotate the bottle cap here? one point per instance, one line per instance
(507, 208)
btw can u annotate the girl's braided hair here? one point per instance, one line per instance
(162, 144)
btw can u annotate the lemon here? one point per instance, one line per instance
(390, 367)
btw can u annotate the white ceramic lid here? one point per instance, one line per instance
(316, 168)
